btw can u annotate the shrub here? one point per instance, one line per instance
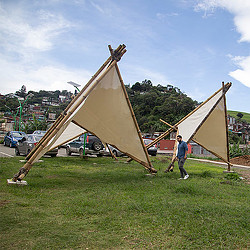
(232, 176)
(235, 150)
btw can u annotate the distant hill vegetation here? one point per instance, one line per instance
(152, 103)
(235, 114)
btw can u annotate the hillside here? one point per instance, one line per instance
(152, 103)
(246, 116)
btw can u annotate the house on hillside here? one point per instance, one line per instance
(238, 127)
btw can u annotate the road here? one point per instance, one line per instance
(10, 152)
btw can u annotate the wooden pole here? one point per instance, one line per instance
(171, 165)
(226, 123)
(150, 167)
(168, 124)
(66, 114)
(110, 151)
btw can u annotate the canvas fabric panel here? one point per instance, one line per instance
(57, 137)
(191, 123)
(212, 134)
(80, 101)
(106, 114)
(71, 131)
(65, 132)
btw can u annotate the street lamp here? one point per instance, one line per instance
(76, 85)
(19, 98)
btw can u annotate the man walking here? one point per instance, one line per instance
(182, 156)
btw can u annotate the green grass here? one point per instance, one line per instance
(71, 203)
(246, 116)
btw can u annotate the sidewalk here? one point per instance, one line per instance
(220, 163)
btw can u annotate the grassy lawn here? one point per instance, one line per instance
(101, 204)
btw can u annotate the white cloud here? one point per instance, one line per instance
(243, 74)
(240, 9)
(98, 7)
(24, 37)
(21, 31)
(49, 77)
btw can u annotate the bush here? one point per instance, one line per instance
(235, 150)
(232, 176)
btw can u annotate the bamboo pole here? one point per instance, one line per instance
(110, 151)
(150, 167)
(171, 165)
(168, 124)
(67, 113)
(226, 123)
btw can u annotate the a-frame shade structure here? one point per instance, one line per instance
(206, 125)
(102, 108)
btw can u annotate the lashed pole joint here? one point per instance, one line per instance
(118, 53)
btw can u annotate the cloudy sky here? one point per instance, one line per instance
(191, 44)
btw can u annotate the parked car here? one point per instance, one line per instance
(93, 145)
(39, 132)
(28, 142)
(115, 151)
(153, 149)
(12, 137)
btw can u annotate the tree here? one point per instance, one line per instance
(136, 87)
(22, 91)
(240, 115)
(33, 125)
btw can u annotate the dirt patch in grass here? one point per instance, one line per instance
(3, 202)
(241, 160)
(245, 175)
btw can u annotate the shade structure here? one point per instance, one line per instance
(207, 125)
(212, 134)
(102, 107)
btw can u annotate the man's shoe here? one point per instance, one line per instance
(181, 178)
(186, 176)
